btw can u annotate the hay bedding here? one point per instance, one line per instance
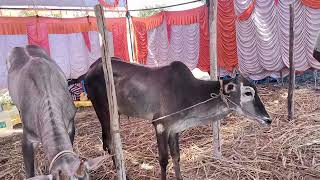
(282, 151)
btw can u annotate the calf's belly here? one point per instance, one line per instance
(137, 111)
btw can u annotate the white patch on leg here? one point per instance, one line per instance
(160, 128)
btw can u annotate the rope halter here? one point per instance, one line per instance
(59, 155)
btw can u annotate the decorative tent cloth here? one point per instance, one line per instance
(252, 35)
(263, 36)
(173, 36)
(65, 3)
(73, 43)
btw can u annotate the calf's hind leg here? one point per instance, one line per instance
(104, 118)
(99, 101)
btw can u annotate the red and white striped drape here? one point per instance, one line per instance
(252, 35)
(73, 43)
(173, 36)
(263, 36)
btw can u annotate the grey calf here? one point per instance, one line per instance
(38, 87)
(155, 93)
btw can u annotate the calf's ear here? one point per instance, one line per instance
(93, 164)
(81, 170)
(241, 77)
(235, 71)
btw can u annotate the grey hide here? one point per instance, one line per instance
(38, 88)
(153, 93)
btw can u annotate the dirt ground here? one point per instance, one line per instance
(284, 150)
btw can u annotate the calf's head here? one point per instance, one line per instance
(242, 97)
(81, 171)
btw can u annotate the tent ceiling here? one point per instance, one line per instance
(48, 3)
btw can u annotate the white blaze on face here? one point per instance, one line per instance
(247, 94)
(160, 128)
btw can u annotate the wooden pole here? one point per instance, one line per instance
(213, 39)
(130, 37)
(130, 31)
(291, 68)
(281, 76)
(112, 99)
(214, 71)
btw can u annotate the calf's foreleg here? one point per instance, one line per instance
(28, 156)
(104, 119)
(162, 141)
(175, 153)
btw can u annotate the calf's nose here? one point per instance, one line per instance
(267, 120)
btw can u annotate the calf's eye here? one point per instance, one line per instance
(230, 87)
(248, 94)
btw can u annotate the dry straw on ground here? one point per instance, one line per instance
(286, 150)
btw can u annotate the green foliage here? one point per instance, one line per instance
(28, 13)
(40, 13)
(56, 15)
(151, 12)
(5, 97)
(147, 13)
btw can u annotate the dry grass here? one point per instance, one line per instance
(285, 150)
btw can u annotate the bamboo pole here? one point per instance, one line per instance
(291, 68)
(214, 71)
(128, 16)
(112, 99)
(281, 76)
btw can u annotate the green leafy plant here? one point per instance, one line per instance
(5, 97)
(150, 12)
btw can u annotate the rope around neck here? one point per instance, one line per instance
(213, 96)
(225, 99)
(60, 154)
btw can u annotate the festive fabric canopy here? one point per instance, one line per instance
(263, 36)
(73, 43)
(63, 3)
(173, 36)
(252, 35)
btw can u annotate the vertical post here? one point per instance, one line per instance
(213, 4)
(112, 99)
(315, 76)
(291, 68)
(281, 76)
(130, 31)
(130, 36)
